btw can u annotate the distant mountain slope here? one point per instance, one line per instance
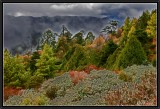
(17, 30)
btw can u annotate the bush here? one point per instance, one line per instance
(51, 91)
(27, 98)
(125, 77)
(154, 62)
(141, 94)
(35, 81)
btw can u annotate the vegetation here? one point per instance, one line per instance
(92, 70)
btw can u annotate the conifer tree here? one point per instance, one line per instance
(152, 26)
(132, 53)
(14, 71)
(46, 64)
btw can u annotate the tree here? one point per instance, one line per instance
(126, 28)
(89, 38)
(62, 46)
(48, 37)
(132, 29)
(111, 27)
(14, 71)
(142, 21)
(46, 64)
(107, 50)
(33, 62)
(77, 60)
(78, 38)
(65, 32)
(152, 26)
(132, 53)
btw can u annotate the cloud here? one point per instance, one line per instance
(77, 9)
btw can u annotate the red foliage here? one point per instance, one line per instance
(10, 91)
(77, 76)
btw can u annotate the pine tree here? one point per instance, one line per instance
(89, 38)
(48, 37)
(152, 26)
(46, 64)
(14, 71)
(107, 50)
(78, 38)
(132, 53)
(126, 28)
(142, 21)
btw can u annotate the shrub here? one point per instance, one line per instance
(125, 77)
(35, 81)
(51, 91)
(27, 98)
(77, 76)
(143, 93)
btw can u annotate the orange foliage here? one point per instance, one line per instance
(10, 91)
(99, 41)
(77, 76)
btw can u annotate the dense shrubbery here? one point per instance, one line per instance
(99, 88)
(28, 97)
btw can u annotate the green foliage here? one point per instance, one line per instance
(28, 97)
(154, 62)
(33, 61)
(152, 25)
(107, 50)
(46, 64)
(65, 32)
(125, 77)
(78, 59)
(132, 53)
(35, 81)
(14, 71)
(48, 37)
(62, 46)
(89, 38)
(78, 38)
(142, 21)
(93, 56)
(112, 59)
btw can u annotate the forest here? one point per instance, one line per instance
(86, 69)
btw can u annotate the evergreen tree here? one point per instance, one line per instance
(132, 53)
(126, 28)
(48, 37)
(65, 32)
(142, 21)
(33, 62)
(14, 71)
(89, 38)
(46, 64)
(78, 38)
(107, 50)
(152, 25)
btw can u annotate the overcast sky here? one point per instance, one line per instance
(77, 9)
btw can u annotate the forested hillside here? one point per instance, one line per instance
(86, 69)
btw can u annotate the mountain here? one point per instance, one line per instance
(19, 30)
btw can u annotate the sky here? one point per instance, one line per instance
(77, 9)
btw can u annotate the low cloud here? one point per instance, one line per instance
(77, 9)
